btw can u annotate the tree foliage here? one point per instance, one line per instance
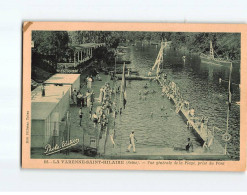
(226, 45)
(55, 44)
(52, 44)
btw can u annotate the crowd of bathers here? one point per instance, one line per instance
(171, 90)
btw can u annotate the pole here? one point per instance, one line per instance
(121, 92)
(82, 140)
(115, 65)
(67, 124)
(106, 137)
(54, 137)
(228, 110)
(74, 60)
(162, 61)
(68, 117)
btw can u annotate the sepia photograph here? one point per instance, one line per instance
(123, 96)
(135, 95)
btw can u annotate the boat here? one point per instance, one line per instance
(121, 53)
(123, 61)
(210, 59)
(120, 71)
(122, 47)
(154, 43)
(134, 77)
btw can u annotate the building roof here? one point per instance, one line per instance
(52, 93)
(62, 79)
(87, 45)
(42, 106)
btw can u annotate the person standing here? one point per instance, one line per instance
(80, 115)
(92, 96)
(95, 119)
(189, 147)
(132, 142)
(101, 94)
(88, 95)
(124, 102)
(74, 96)
(90, 111)
(89, 82)
(82, 100)
(79, 98)
(43, 89)
(192, 112)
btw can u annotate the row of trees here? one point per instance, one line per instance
(226, 45)
(55, 45)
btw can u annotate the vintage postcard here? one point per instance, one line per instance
(134, 96)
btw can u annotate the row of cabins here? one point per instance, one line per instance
(49, 110)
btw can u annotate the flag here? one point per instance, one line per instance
(230, 90)
(123, 87)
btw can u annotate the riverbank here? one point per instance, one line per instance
(159, 132)
(105, 147)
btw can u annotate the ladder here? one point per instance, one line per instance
(159, 59)
(211, 50)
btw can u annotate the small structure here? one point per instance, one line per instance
(47, 111)
(72, 80)
(78, 54)
(84, 52)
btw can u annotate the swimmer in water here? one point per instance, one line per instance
(145, 92)
(151, 114)
(165, 116)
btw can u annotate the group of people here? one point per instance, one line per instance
(143, 93)
(101, 115)
(105, 93)
(171, 90)
(89, 80)
(83, 100)
(103, 111)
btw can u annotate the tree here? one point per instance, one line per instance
(51, 43)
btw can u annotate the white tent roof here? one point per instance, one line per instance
(52, 93)
(62, 79)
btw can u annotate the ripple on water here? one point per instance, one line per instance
(198, 84)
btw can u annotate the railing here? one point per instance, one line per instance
(216, 59)
(67, 71)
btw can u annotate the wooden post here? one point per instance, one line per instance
(98, 136)
(106, 136)
(115, 66)
(68, 129)
(162, 61)
(67, 124)
(74, 60)
(82, 140)
(228, 110)
(54, 139)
